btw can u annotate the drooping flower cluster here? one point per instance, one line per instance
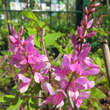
(28, 59)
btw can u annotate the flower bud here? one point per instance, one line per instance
(85, 20)
(91, 34)
(92, 10)
(90, 23)
(86, 11)
(95, 5)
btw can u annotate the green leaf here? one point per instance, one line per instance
(50, 38)
(15, 106)
(31, 104)
(30, 15)
(36, 42)
(6, 98)
(97, 93)
(2, 99)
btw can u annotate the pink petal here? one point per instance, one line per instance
(91, 71)
(23, 78)
(12, 39)
(25, 82)
(73, 94)
(21, 31)
(75, 67)
(46, 68)
(43, 58)
(84, 95)
(95, 5)
(56, 99)
(38, 77)
(14, 32)
(78, 102)
(84, 52)
(66, 61)
(84, 83)
(86, 10)
(80, 31)
(23, 87)
(90, 23)
(85, 20)
(69, 107)
(60, 104)
(24, 61)
(73, 38)
(48, 88)
(92, 10)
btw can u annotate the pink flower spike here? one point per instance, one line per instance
(48, 88)
(25, 83)
(21, 32)
(90, 23)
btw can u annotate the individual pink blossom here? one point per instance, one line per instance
(80, 31)
(89, 23)
(56, 100)
(86, 11)
(49, 88)
(92, 10)
(25, 82)
(91, 34)
(85, 20)
(95, 5)
(39, 77)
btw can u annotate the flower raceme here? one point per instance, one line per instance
(80, 65)
(71, 77)
(28, 59)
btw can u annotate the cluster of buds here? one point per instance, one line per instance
(86, 24)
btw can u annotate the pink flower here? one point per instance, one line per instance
(38, 77)
(80, 31)
(25, 83)
(91, 34)
(95, 5)
(86, 11)
(56, 100)
(89, 23)
(49, 88)
(69, 107)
